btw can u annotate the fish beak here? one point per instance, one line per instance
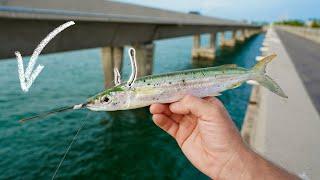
(79, 106)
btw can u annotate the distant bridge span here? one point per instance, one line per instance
(110, 25)
(98, 24)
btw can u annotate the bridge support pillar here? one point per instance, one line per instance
(250, 32)
(241, 36)
(196, 41)
(111, 57)
(222, 38)
(144, 56)
(246, 33)
(230, 42)
(213, 39)
(234, 35)
(205, 53)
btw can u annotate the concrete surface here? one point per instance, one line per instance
(287, 131)
(312, 34)
(305, 55)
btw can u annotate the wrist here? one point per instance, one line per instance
(240, 164)
(247, 164)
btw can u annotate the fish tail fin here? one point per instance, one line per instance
(260, 76)
(267, 82)
(260, 67)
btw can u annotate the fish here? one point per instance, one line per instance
(171, 87)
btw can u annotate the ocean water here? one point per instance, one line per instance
(124, 144)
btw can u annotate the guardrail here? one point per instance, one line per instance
(306, 32)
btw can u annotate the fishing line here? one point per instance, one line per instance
(57, 110)
(47, 113)
(70, 145)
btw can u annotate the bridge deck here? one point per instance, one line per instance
(105, 11)
(98, 24)
(286, 131)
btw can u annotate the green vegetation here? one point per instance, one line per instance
(291, 22)
(313, 23)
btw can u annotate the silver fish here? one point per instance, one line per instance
(170, 87)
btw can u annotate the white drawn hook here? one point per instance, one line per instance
(117, 76)
(134, 70)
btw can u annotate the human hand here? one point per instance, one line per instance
(210, 140)
(202, 129)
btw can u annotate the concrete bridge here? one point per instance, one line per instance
(110, 25)
(287, 131)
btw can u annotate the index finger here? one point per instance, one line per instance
(202, 108)
(160, 109)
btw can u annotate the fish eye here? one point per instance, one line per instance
(105, 99)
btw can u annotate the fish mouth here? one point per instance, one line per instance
(94, 107)
(98, 107)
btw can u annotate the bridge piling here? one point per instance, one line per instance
(117, 57)
(144, 56)
(213, 39)
(234, 36)
(240, 36)
(207, 53)
(196, 41)
(222, 38)
(230, 42)
(246, 33)
(111, 57)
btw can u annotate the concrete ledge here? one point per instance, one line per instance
(251, 115)
(286, 131)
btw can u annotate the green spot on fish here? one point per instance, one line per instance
(107, 92)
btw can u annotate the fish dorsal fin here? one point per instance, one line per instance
(229, 66)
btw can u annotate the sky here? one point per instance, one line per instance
(251, 10)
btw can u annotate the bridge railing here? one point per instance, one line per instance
(306, 32)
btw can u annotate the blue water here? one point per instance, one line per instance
(123, 144)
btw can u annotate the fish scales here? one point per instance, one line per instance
(171, 87)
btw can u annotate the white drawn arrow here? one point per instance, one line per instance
(26, 79)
